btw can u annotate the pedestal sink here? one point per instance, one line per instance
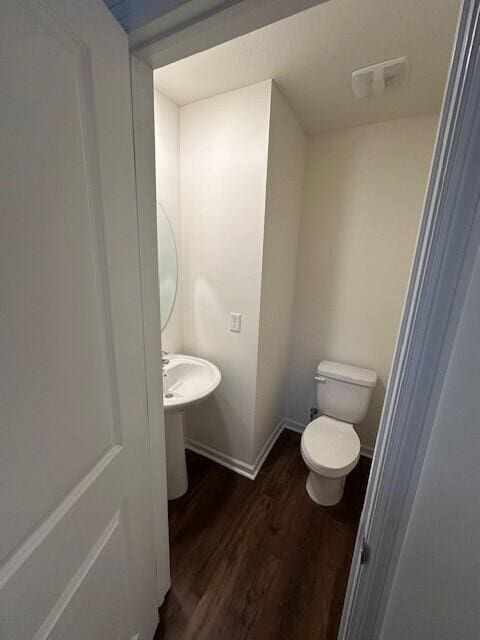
(186, 381)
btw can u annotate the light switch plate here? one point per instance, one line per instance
(235, 322)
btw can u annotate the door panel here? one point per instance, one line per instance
(76, 530)
(107, 616)
(57, 362)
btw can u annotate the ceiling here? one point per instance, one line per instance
(312, 54)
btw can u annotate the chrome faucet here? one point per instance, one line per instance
(165, 360)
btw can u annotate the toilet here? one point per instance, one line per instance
(330, 445)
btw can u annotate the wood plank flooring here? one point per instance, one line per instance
(259, 560)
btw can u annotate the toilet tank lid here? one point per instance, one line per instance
(347, 373)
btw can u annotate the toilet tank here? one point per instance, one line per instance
(343, 391)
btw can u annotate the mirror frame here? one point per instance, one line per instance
(165, 319)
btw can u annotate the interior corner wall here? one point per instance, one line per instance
(223, 155)
(283, 208)
(167, 171)
(364, 194)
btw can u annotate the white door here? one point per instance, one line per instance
(76, 530)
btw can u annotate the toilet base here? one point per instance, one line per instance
(325, 491)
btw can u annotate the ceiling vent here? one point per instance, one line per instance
(380, 77)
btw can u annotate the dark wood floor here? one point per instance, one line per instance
(259, 560)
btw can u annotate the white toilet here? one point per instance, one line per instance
(330, 446)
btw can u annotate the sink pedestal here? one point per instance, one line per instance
(186, 381)
(177, 479)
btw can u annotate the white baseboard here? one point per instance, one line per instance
(267, 447)
(293, 425)
(247, 470)
(251, 470)
(299, 427)
(366, 451)
(234, 464)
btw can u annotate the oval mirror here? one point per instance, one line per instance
(167, 265)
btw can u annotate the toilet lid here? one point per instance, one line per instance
(331, 444)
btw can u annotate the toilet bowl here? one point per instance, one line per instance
(330, 445)
(331, 449)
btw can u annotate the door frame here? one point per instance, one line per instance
(442, 264)
(141, 78)
(196, 25)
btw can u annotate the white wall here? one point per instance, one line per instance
(364, 194)
(223, 150)
(436, 591)
(167, 161)
(238, 229)
(284, 200)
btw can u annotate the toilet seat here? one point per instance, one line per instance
(330, 447)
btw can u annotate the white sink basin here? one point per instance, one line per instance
(187, 380)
